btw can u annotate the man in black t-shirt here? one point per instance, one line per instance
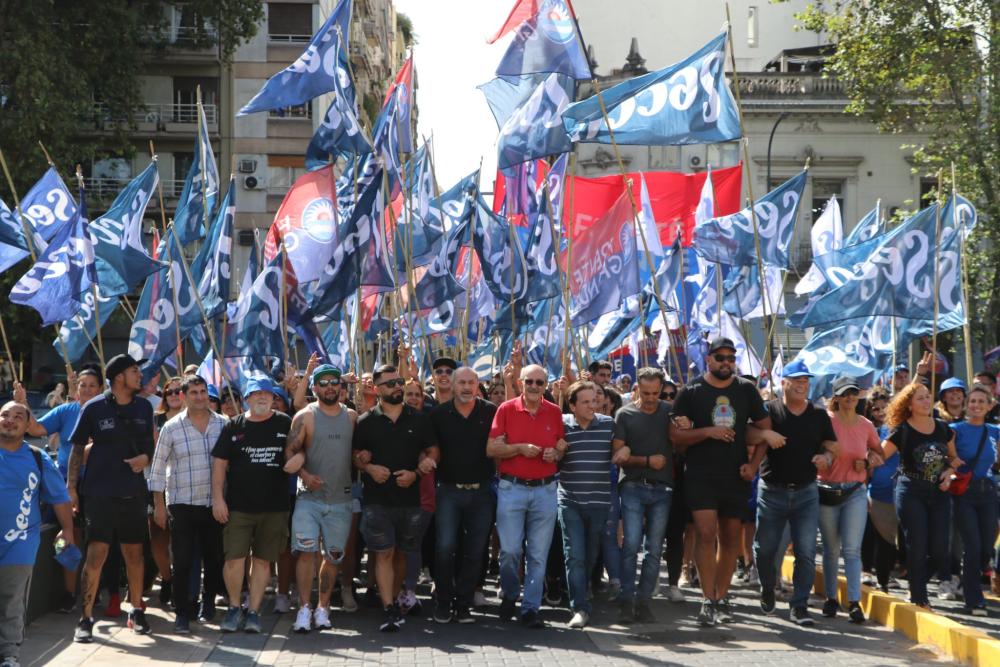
(798, 445)
(717, 471)
(250, 497)
(393, 445)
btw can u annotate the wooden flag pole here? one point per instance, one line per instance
(937, 283)
(966, 328)
(203, 157)
(567, 353)
(97, 305)
(284, 300)
(468, 270)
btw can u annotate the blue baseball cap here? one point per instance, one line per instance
(323, 369)
(952, 383)
(796, 369)
(258, 384)
(213, 392)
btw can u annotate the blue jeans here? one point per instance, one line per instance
(611, 553)
(526, 519)
(924, 512)
(467, 513)
(643, 507)
(777, 510)
(842, 528)
(976, 516)
(581, 532)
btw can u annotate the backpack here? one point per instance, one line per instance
(37, 453)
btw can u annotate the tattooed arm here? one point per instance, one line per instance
(296, 444)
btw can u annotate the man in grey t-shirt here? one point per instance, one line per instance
(641, 432)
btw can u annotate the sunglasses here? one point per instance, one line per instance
(850, 392)
(327, 383)
(536, 383)
(398, 382)
(172, 392)
(444, 371)
(671, 395)
(721, 358)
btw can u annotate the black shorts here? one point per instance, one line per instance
(726, 495)
(124, 519)
(386, 527)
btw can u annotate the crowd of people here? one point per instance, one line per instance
(562, 488)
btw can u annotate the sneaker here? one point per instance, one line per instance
(626, 613)
(303, 620)
(767, 602)
(425, 578)
(442, 613)
(579, 620)
(114, 608)
(347, 601)
(687, 576)
(282, 605)
(84, 633)
(464, 616)
(232, 621)
(182, 625)
(706, 616)
(674, 594)
(855, 613)
(507, 609)
(166, 592)
(406, 600)
(206, 611)
(478, 599)
(752, 578)
(643, 614)
(251, 625)
(67, 604)
(723, 611)
(868, 579)
(614, 588)
(321, 618)
(532, 619)
(393, 619)
(552, 597)
(137, 622)
(978, 611)
(830, 608)
(800, 616)
(948, 590)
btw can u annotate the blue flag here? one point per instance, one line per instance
(535, 128)
(13, 247)
(54, 284)
(686, 103)
(122, 260)
(540, 256)
(78, 333)
(254, 330)
(742, 294)
(420, 226)
(506, 94)
(314, 72)
(200, 192)
(614, 327)
(503, 264)
(210, 269)
(48, 206)
(867, 228)
(546, 337)
(730, 239)
(547, 42)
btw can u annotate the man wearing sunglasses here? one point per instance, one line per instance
(442, 368)
(717, 471)
(319, 452)
(527, 439)
(393, 445)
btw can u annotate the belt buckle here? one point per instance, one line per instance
(469, 487)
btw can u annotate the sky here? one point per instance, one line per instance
(452, 58)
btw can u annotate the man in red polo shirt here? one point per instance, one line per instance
(527, 440)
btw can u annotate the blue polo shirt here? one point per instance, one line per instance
(967, 439)
(583, 471)
(22, 484)
(62, 420)
(118, 432)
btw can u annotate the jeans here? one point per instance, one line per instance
(465, 513)
(645, 509)
(842, 528)
(777, 510)
(581, 537)
(976, 515)
(526, 518)
(15, 581)
(924, 512)
(190, 525)
(611, 553)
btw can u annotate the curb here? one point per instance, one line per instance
(972, 647)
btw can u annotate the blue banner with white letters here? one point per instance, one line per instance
(535, 129)
(48, 205)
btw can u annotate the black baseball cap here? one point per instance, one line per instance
(719, 343)
(445, 361)
(119, 364)
(843, 384)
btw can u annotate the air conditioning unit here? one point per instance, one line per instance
(253, 183)
(247, 165)
(245, 237)
(694, 161)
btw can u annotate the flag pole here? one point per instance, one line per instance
(684, 311)
(204, 167)
(966, 333)
(567, 352)
(97, 305)
(284, 300)
(468, 260)
(937, 282)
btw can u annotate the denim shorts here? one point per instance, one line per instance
(386, 527)
(315, 523)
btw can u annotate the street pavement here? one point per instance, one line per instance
(674, 638)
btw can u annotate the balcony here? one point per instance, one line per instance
(157, 117)
(276, 38)
(106, 189)
(779, 89)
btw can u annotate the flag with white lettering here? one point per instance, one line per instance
(48, 205)
(503, 263)
(307, 223)
(80, 332)
(546, 42)
(210, 269)
(201, 190)
(826, 236)
(535, 128)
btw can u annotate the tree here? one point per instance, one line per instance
(933, 65)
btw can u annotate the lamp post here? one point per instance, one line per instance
(782, 116)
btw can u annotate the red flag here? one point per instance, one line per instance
(307, 222)
(521, 12)
(403, 77)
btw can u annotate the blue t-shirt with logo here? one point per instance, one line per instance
(62, 420)
(21, 487)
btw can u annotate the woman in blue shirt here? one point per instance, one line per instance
(976, 509)
(881, 510)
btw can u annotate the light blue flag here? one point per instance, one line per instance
(13, 247)
(686, 103)
(611, 329)
(210, 269)
(503, 263)
(122, 260)
(482, 359)
(200, 192)
(867, 228)
(742, 294)
(547, 42)
(422, 219)
(78, 333)
(730, 239)
(54, 284)
(540, 255)
(535, 129)
(546, 335)
(505, 94)
(48, 205)
(314, 72)
(254, 330)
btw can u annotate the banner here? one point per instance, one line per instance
(535, 128)
(546, 42)
(307, 222)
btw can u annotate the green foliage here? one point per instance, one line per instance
(933, 66)
(405, 27)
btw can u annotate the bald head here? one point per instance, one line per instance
(466, 385)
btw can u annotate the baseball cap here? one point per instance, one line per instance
(797, 369)
(213, 392)
(323, 369)
(119, 364)
(259, 384)
(280, 392)
(445, 361)
(843, 384)
(719, 343)
(901, 367)
(952, 383)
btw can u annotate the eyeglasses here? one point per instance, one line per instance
(327, 383)
(721, 358)
(397, 382)
(172, 392)
(444, 371)
(536, 383)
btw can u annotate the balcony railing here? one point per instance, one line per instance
(288, 39)
(780, 85)
(108, 188)
(161, 114)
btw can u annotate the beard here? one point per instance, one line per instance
(721, 373)
(393, 399)
(328, 401)
(259, 410)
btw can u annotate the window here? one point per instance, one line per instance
(186, 98)
(282, 172)
(928, 192)
(299, 111)
(289, 22)
(823, 189)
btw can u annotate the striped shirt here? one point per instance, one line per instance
(583, 471)
(182, 460)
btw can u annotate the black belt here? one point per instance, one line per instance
(647, 482)
(528, 482)
(466, 485)
(790, 486)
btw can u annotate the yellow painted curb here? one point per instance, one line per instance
(970, 646)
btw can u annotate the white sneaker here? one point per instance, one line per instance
(579, 620)
(478, 599)
(674, 594)
(347, 601)
(753, 579)
(281, 604)
(303, 620)
(321, 618)
(425, 577)
(948, 590)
